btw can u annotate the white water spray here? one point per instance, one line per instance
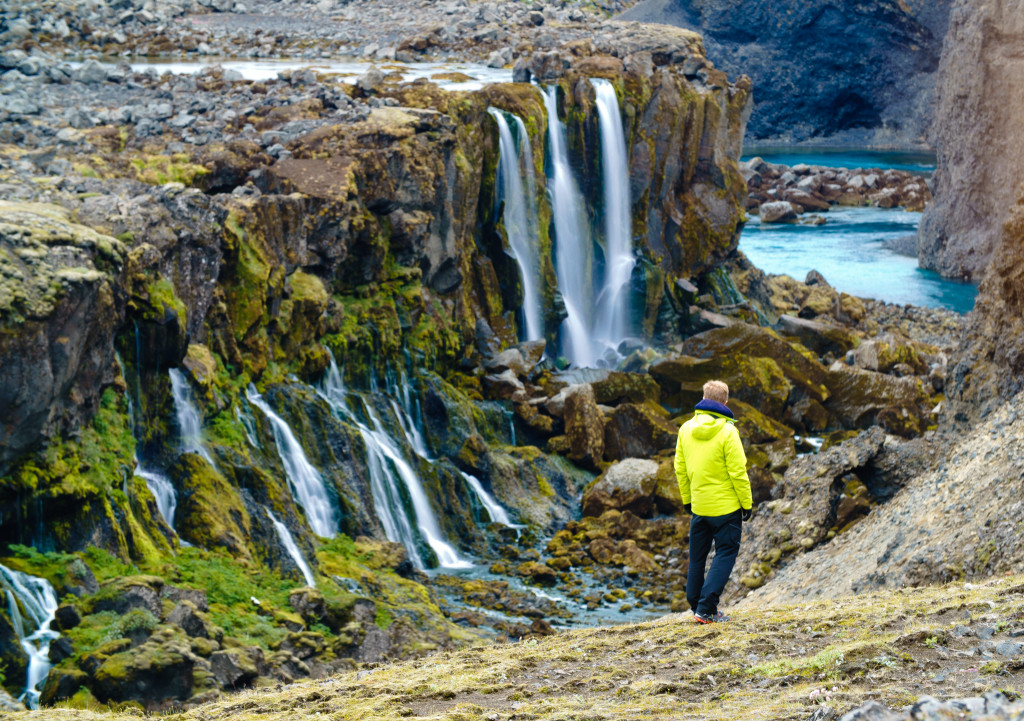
(494, 509)
(308, 487)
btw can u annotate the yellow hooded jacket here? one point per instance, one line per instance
(711, 466)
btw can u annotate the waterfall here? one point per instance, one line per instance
(162, 489)
(288, 542)
(245, 418)
(307, 485)
(494, 509)
(389, 466)
(613, 313)
(574, 264)
(190, 422)
(39, 602)
(521, 232)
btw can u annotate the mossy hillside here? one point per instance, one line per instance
(86, 488)
(772, 663)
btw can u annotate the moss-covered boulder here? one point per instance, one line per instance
(638, 430)
(584, 427)
(862, 398)
(210, 513)
(158, 671)
(626, 485)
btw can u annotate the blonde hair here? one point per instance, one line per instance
(716, 391)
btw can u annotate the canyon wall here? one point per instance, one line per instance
(979, 137)
(840, 73)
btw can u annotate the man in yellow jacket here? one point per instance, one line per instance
(711, 468)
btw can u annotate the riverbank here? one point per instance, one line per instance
(815, 660)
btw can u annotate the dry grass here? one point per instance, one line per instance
(772, 663)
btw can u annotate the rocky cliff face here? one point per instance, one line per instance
(853, 73)
(979, 137)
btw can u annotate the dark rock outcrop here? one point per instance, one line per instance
(857, 73)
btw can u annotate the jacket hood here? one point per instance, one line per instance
(710, 419)
(715, 407)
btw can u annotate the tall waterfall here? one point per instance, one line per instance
(389, 466)
(189, 421)
(308, 487)
(520, 216)
(613, 312)
(574, 261)
(285, 536)
(39, 601)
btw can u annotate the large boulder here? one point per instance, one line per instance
(626, 485)
(638, 430)
(862, 398)
(158, 671)
(584, 426)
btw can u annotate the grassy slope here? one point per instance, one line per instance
(765, 664)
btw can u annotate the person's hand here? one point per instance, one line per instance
(686, 507)
(746, 513)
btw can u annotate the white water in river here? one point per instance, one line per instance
(613, 311)
(190, 423)
(520, 228)
(388, 468)
(36, 597)
(285, 536)
(308, 487)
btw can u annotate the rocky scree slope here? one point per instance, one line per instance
(815, 660)
(841, 73)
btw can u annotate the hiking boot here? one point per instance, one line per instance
(717, 618)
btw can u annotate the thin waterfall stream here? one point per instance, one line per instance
(308, 487)
(389, 466)
(31, 605)
(190, 422)
(288, 542)
(613, 308)
(574, 262)
(520, 216)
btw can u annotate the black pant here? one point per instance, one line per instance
(725, 531)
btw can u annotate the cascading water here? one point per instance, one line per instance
(159, 484)
(189, 421)
(388, 466)
(574, 262)
(308, 487)
(244, 417)
(494, 509)
(36, 597)
(285, 536)
(613, 312)
(162, 489)
(520, 227)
